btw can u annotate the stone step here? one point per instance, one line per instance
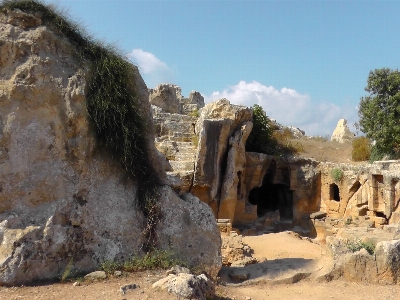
(182, 165)
(167, 117)
(185, 145)
(186, 150)
(176, 144)
(185, 157)
(181, 174)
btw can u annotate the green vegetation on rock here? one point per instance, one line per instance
(357, 246)
(379, 113)
(260, 139)
(336, 174)
(264, 139)
(112, 100)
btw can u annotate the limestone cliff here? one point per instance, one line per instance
(64, 202)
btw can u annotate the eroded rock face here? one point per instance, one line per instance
(217, 123)
(383, 266)
(233, 186)
(63, 203)
(166, 96)
(342, 132)
(169, 98)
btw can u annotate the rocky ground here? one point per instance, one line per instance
(280, 256)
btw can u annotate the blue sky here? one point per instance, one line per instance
(305, 62)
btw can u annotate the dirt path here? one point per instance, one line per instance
(307, 290)
(285, 253)
(304, 256)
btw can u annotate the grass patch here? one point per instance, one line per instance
(357, 246)
(112, 99)
(67, 272)
(194, 113)
(152, 260)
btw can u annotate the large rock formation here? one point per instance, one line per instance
(208, 158)
(223, 129)
(64, 203)
(169, 98)
(206, 152)
(342, 132)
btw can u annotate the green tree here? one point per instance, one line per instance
(260, 139)
(379, 112)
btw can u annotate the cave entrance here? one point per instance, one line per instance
(274, 196)
(334, 193)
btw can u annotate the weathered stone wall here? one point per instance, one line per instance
(370, 190)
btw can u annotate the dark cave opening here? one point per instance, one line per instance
(273, 196)
(334, 193)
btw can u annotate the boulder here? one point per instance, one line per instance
(234, 251)
(97, 275)
(188, 286)
(342, 132)
(387, 256)
(189, 230)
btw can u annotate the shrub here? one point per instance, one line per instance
(153, 260)
(369, 246)
(260, 139)
(361, 149)
(336, 174)
(264, 139)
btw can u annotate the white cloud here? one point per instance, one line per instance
(153, 70)
(288, 106)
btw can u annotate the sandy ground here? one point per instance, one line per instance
(304, 256)
(285, 255)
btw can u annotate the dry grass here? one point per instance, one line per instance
(324, 150)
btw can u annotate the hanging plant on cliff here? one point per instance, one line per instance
(112, 104)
